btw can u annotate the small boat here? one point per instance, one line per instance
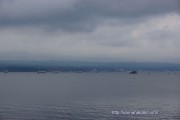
(79, 72)
(41, 72)
(55, 71)
(133, 72)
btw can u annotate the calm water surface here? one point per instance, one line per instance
(89, 96)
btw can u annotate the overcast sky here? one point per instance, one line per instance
(95, 30)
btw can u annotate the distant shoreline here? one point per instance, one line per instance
(79, 66)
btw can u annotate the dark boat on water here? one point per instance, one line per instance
(41, 72)
(133, 72)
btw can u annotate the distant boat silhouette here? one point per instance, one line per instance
(133, 72)
(55, 71)
(43, 72)
(79, 72)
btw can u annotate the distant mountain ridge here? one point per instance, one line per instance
(32, 66)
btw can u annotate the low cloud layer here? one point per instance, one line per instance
(126, 30)
(79, 15)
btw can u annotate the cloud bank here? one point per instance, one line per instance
(126, 30)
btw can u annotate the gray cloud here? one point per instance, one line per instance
(146, 30)
(79, 15)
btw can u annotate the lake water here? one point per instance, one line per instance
(90, 96)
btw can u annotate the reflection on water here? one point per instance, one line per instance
(69, 96)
